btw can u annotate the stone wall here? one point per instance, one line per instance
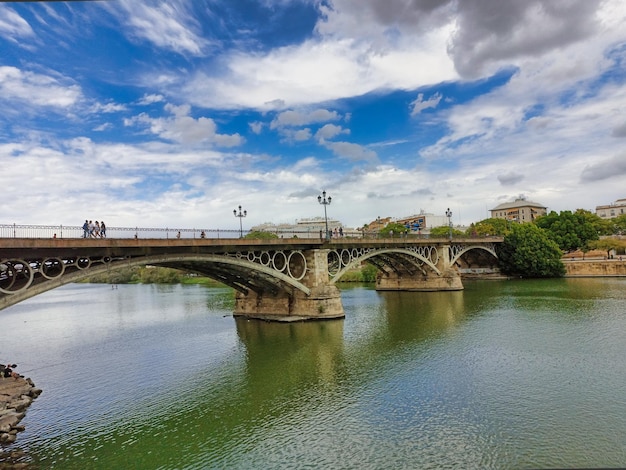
(595, 268)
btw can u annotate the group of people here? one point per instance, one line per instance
(95, 229)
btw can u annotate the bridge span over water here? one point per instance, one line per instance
(277, 279)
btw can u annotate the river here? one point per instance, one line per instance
(502, 375)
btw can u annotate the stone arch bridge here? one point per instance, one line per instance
(277, 279)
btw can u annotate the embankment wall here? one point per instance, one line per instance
(595, 268)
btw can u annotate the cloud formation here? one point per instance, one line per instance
(180, 109)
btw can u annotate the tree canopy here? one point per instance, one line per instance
(393, 229)
(261, 235)
(527, 251)
(492, 226)
(570, 231)
(444, 231)
(618, 225)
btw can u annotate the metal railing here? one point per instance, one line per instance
(76, 231)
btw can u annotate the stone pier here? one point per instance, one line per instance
(322, 301)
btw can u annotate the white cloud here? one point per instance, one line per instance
(256, 127)
(317, 71)
(293, 118)
(151, 99)
(419, 104)
(330, 131)
(167, 25)
(13, 26)
(351, 151)
(186, 129)
(37, 89)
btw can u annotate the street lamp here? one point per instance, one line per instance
(325, 202)
(240, 215)
(449, 216)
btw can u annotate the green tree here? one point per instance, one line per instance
(444, 231)
(527, 251)
(570, 231)
(393, 230)
(261, 235)
(609, 244)
(492, 226)
(618, 225)
(601, 226)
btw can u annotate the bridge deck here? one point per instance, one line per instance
(8, 246)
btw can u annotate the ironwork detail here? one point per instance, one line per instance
(342, 259)
(291, 263)
(459, 249)
(17, 275)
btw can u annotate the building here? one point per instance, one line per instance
(521, 210)
(612, 210)
(306, 228)
(423, 221)
(418, 224)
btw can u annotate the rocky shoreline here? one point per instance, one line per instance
(16, 395)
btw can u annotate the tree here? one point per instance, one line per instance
(618, 225)
(261, 235)
(392, 230)
(444, 231)
(600, 226)
(492, 226)
(570, 231)
(527, 251)
(609, 244)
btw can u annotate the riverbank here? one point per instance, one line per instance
(16, 395)
(594, 264)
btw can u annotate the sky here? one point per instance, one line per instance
(173, 113)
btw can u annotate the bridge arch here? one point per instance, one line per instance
(33, 277)
(459, 250)
(342, 261)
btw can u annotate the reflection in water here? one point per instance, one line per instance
(525, 374)
(419, 315)
(309, 351)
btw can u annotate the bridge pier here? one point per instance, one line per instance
(323, 301)
(449, 280)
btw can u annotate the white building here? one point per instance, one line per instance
(306, 228)
(612, 210)
(519, 210)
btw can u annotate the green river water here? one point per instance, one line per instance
(502, 375)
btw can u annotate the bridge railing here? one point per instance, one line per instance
(76, 231)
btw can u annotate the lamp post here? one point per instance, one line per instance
(449, 216)
(240, 215)
(325, 202)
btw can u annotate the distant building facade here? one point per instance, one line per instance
(423, 222)
(520, 210)
(612, 210)
(306, 228)
(419, 224)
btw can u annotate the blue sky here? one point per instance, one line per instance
(173, 113)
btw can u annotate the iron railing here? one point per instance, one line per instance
(76, 231)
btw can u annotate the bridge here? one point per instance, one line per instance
(277, 279)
